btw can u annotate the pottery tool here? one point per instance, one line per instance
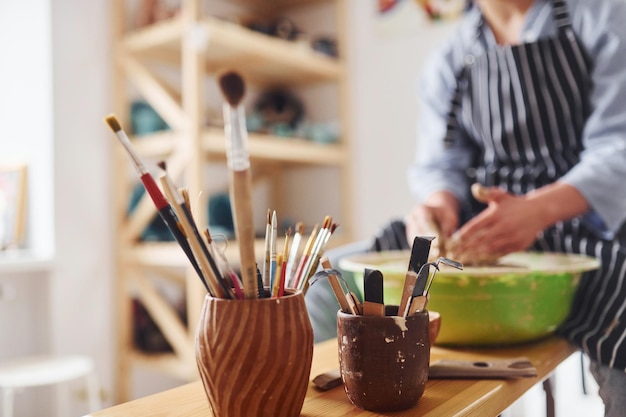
(183, 211)
(488, 368)
(520, 367)
(328, 380)
(355, 305)
(273, 238)
(424, 280)
(266, 253)
(407, 291)
(238, 161)
(336, 287)
(420, 251)
(163, 207)
(195, 241)
(373, 304)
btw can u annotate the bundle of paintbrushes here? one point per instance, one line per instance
(295, 265)
(280, 270)
(415, 292)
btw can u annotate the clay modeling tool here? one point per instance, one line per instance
(419, 252)
(355, 305)
(489, 368)
(163, 207)
(238, 161)
(336, 286)
(450, 368)
(407, 291)
(373, 304)
(419, 298)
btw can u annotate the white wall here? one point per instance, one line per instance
(385, 59)
(81, 282)
(25, 117)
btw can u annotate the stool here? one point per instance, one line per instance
(35, 371)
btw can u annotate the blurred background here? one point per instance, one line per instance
(58, 80)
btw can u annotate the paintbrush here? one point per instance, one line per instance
(304, 258)
(266, 254)
(295, 250)
(179, 202)
(161, 204)
(313, 256)
(238, 160)
(321, 249)
(196, 243)
(273, 237)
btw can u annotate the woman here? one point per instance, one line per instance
(528, 98)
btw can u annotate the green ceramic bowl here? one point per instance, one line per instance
(523, 298)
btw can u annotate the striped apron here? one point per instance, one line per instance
(523, 108)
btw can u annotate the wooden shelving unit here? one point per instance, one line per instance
(197, 45)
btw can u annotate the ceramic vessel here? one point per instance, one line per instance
(254, 356)
(384, 359)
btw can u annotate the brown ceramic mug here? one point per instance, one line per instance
(384, 359)
(254, 356)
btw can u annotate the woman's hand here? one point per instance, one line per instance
(510, 223)
(438, 216)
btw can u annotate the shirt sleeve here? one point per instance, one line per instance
(601, 173)
(437, 168)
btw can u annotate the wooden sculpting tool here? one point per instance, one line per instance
(373, 304)
(336, 287)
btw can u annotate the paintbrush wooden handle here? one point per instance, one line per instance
(241, 193)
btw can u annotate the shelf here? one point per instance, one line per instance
(261, 58)
(150, 61)
(169, 254)
(261, 147)
(263, 5)
(22, 261)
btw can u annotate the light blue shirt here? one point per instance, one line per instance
(601, 173)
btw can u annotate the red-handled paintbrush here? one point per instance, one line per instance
(161, 204)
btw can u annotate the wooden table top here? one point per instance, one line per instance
(442, 397)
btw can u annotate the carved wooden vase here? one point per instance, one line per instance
(254, 356)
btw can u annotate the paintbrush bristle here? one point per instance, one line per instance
(233, 87)
(113, 123)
